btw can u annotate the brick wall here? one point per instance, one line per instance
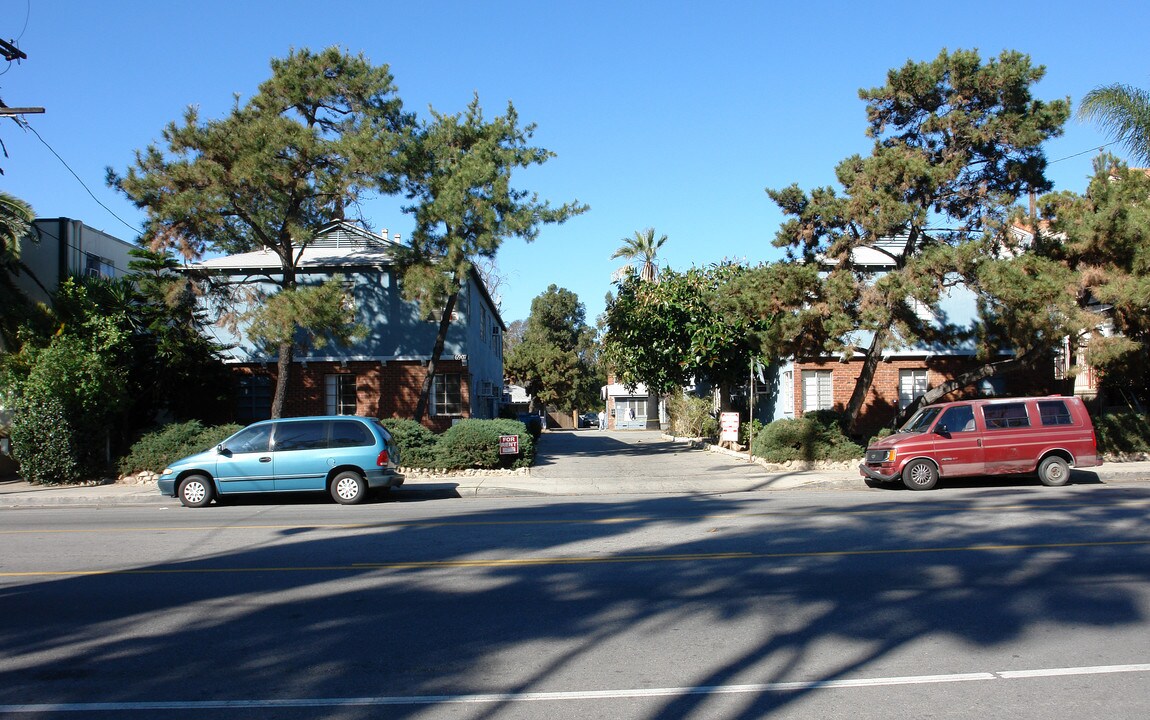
(383, 390)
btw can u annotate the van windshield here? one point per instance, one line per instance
(921, 421)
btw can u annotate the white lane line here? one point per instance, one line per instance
(488, 698)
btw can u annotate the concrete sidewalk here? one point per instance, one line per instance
(568, 463)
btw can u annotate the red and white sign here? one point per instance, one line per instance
(729, 427)
(508, 444)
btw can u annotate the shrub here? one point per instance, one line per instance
(156, 450)
(1122, 432)
(44, 441)
(691, 416)
(475, 444)
(814, 436)
(416, 443)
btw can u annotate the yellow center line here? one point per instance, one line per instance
(622, 520)
(575, 560)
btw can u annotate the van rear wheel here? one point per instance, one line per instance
(348, 488)
(1054, 471)
(920, 475)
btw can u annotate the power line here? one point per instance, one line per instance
(65, 164)
(1093, 149)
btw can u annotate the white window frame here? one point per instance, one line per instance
(818, 390)
(912, 384)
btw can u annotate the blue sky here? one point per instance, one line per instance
(674, 115)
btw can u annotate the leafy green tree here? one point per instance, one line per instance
(1102, 236)
(1123, 111)
(670, 333)
(457, 175)
(957, 142)
(79, 377)
(321, 133)
(643, 250)
(555, 361)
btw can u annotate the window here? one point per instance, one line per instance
(958, 419)
(349, 433)
(305, 435)
(1054, 412)
(911, 386)
(341, 394)
(98, 267)
(447, 395)
(254, 399)
(1005, 415)
(630, 408)
(817, 390)
(250, 440)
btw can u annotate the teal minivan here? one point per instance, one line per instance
(344, 455)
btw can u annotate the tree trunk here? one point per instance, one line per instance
(282, 376)
(865, 378)
(433, 363)
(653, 409)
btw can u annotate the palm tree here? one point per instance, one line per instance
(1123, 111)
(15, 221)
(642, 249)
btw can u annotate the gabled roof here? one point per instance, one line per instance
(337, 245)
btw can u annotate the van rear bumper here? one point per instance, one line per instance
(870, 472)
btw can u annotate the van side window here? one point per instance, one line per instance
(958, 419)
(349, 433)
(301, 435)
(1001, 416)
(251, 440)
(1054, 412)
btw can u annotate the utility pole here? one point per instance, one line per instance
(10, 53)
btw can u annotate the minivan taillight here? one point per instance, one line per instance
(382, 459)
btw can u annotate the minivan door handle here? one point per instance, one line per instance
(268, 458)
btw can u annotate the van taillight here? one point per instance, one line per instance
(382, 459)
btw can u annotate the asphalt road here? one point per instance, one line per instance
(977, 602)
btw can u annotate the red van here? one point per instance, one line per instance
(1043, 435)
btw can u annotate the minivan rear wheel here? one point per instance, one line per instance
(1054, 471)
(920, 475)
(348, 488)
(195, 491)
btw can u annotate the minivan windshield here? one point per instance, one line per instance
(921, 421)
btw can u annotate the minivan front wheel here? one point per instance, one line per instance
(195, 491)
(348, 488)
(1054, 471)
(920, 475)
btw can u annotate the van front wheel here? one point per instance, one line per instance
(1054, 471)
(920, 475)
(195, 491)
(348, 488)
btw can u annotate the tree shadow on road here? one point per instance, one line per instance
(450, 603)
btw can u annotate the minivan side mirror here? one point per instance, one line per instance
(221, 450)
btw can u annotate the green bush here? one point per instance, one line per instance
(1122, 432)
(416, 443)
(475, 444)
(691, 416)
(814, 436)
(156, 450)
(44, 441)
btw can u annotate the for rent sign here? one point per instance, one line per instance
(508, 444)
